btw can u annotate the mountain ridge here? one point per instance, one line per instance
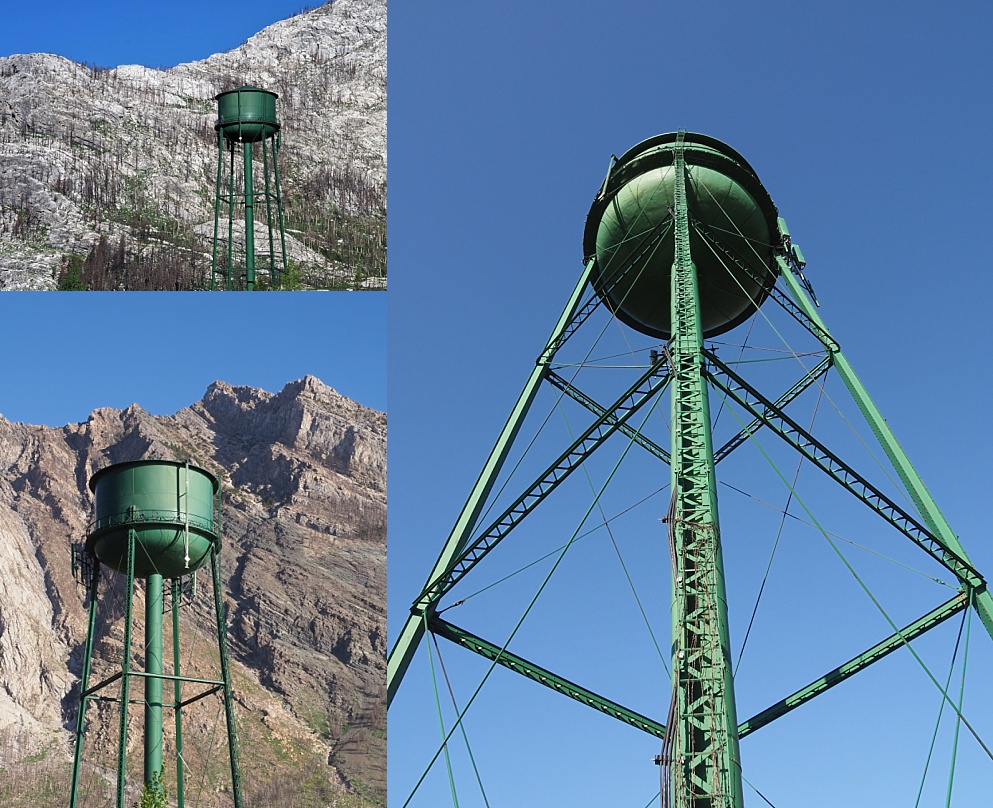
(107, 174)
(303, 562)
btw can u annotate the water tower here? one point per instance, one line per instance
(155, 520)
(682, 244)
(246, 116)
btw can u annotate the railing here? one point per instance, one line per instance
(136, 517)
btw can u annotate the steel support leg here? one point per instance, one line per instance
(230, 266)
(217, 209)
(122, 741)
(153, 668)
(276, 141)
(84, 683)
(178, 692)
(249, 220)
(274, 276)
(933, 518)
(700, 755)
(406, 644)
(222, 645)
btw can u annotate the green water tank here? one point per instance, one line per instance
(724, 196)
(247, 114)
(169, 506)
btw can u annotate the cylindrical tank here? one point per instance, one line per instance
(169, 506)
(723, 194)
(247, 114)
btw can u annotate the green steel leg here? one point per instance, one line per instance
(274, 279)
(249, 220)
(153, 684)
(125, 672)
(230, 267)
(178, 691)
(84, 683)
(932, 516)
(701, 758)
(217, 209)
(406, 644)
(611, 420)
(276, 141)
(222, 645)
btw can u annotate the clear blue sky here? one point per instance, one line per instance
(867, 123)
(68, 353)
(114, 32)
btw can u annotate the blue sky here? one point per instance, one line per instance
(165, 349)
(864, 122)
(114, 32)
(69, 353)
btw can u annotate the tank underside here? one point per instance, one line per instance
(732, 226)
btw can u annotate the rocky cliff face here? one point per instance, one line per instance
(303, 474)
(129, 155)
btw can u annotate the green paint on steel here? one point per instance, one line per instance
(789, 430)
(154, 519)
(246, 116)
(543, 676)
(906, 635)
(153, 684)
(125, 698)
(630, 432)
(613, 418)
(222, 632)
(410, 636)
(168, 505)
(808, 379)
(178, 695)
(636, 199)
(84, 682)
(700, 758)
(664, 197)
(953, 554)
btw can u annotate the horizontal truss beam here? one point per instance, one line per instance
(861, 662)
(545, 677)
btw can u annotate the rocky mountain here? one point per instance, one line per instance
(304, 568)
(107, 175)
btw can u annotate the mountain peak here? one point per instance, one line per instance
(127, 155)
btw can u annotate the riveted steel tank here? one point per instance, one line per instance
(247, 114)
(725, 199)
(169, 506)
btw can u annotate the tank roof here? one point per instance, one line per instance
(247, 88)
(153, 462)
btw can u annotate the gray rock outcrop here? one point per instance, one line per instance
(130, 153)
(303, 477)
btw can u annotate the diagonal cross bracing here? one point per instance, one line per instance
(775, 293)
(794, 434)
(649, 242)
(813, 375)
(578, 395)
(640, 393)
